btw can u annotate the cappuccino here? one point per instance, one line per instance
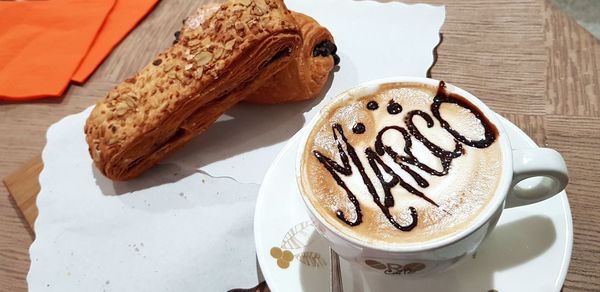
(404, 163)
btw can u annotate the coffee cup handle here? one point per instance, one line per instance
(546, 174)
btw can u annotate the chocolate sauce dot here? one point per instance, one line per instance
(157, 62)
(359, 128)
(394, 108)
(372, 105)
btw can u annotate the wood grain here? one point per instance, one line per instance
(578, 139)
(495, 52)
(24, 186)
(573, 66)
(573, 128)
(525, 59)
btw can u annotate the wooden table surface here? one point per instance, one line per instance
(525, 59)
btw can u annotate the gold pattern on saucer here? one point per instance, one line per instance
(283, 263)
(395, 269)
(276, 252)
(283, 257)
(311, 259)
(287, 256)
(297, 237)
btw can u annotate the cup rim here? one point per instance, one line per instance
(497, 200)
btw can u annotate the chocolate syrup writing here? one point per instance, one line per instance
(347, 154)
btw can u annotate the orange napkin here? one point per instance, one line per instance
(45, 44)
(122, 19)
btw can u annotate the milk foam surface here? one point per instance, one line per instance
(460, 195)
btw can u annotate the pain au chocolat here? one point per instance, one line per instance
(185, 89)
(306, 75)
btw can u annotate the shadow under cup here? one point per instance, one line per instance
(416, 259)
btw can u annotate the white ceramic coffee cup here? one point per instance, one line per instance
(437, 255)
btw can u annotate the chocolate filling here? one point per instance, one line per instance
(285, 52)
(326, 48)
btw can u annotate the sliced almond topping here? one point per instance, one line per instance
(239, 26)
(121, 108)
(193, 43)
(199, 72)
(218, 52)
(257, 11)
(219, 65)
(113, 95)
(229, 45)
(203, 58)
(237, 9)
(188, 67)
(262, 5)
(155, 102)
(133, 95)
(112, 141)
(130, 102)
(205, 42)
(245, 2)
(163, 107)
(168, 67)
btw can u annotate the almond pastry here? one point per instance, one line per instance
(180, 93)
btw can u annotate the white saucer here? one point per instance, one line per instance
(528, 251)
